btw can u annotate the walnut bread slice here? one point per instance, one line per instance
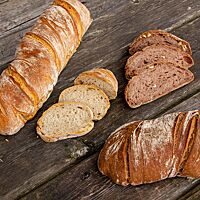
(90, 95)
(102, 78)
(65, 120)
(156, 53)
(151, 37)
(155, 83)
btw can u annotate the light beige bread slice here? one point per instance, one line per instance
(102, 78)
(65, 120)
(90, 95)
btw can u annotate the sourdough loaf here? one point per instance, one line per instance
(90, 95)
(40, 57)
(154, 54)
(151, 37)
(152, 150)
(65, 120)
(156, 81)
(102, 78)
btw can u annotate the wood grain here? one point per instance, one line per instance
(85, 182)
(193, 194)
(27, 161)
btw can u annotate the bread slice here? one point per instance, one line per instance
(158, 37)
(90, 95)
(102, 78)
(156, 53)
(65, 120)
(155, 83)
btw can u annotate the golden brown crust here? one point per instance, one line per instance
(75, 15)
(13, 95)
(50, 48)
(10, 122)
(79, 14)
(64, 26)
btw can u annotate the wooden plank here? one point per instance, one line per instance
(14, 13)
(85, 181)
(104, 45)
(25, 168)
(193, 194)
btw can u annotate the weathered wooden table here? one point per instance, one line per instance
(32, 169)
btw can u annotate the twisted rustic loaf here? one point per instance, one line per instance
(147, 151)
(41, 56)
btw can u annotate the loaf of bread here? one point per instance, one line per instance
(156, 81)
(42, 54)
(152, 150)
(91, 96)
(154, 54)
(65, 120)
(151, 37)
(102, 78)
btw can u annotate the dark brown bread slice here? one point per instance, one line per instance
(158, 37)
(137, 63)
(155, 83)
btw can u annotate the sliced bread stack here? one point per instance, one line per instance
(159, 64)
(79, 106)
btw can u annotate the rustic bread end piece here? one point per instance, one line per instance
(90, 95)
(156, 82)
(156, 53)
(65, 120)
(102, 78)
(158, 37)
